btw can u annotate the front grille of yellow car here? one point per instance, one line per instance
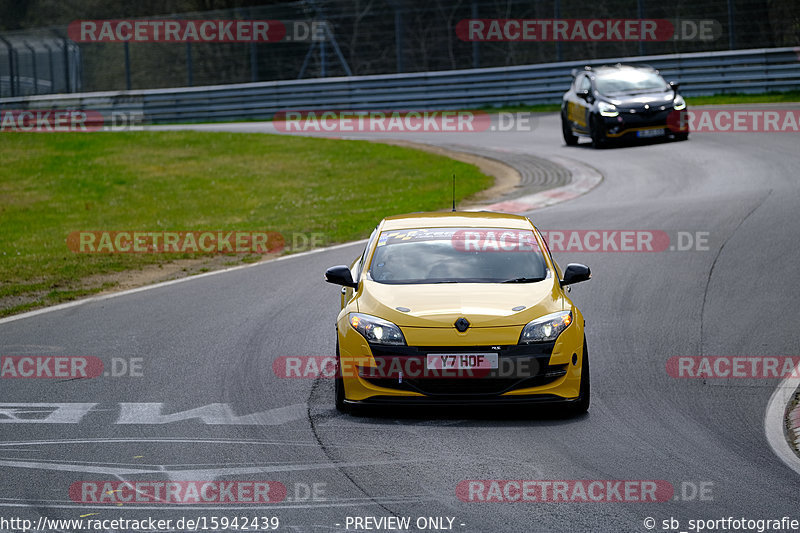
(527, 366)
(467, 387)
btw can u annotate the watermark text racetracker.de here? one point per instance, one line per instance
(68, 367)
(587, 30)
(255, 242)
(198, 31)
(582, 491)
(177, 492)
(203, 241)
(583, 241)
(69, 120)
(431, 366)
(418, 121)
(735, 120)
(727, 366)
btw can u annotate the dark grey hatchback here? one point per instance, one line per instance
(620, 102)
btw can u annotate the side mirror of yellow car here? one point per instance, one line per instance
(575, 273)
(340, 275)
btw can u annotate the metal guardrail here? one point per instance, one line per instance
(738, 71)
(38, 63)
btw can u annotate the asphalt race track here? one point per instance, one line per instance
(208, 343)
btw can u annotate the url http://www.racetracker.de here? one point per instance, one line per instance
(185, 523)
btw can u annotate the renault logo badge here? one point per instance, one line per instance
(462, 324)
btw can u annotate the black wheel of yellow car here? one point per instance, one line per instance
(597, 133)
(581, 405)
(681, 136)
(570, 138)
(338, 385)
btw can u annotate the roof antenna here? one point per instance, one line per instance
(454, 193)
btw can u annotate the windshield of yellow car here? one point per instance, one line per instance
(458, 255)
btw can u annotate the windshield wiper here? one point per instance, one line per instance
(522, 280)
(640, 90)
(646, 91)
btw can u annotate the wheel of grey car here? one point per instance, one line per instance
(599, 139)
(581, 405)
(338, 385)
(570, 138)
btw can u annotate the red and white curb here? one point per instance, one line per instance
(780, 427)
(793, 423)
(584, 179)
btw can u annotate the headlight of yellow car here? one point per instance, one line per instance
(546, 328)
(377, 330)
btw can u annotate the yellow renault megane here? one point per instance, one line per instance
(459, 308)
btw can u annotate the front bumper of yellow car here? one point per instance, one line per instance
(526, 373)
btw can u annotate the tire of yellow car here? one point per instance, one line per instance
(581, 405)
(338, 385)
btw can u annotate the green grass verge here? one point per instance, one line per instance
(53, 184)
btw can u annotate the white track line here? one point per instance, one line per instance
(102, 297)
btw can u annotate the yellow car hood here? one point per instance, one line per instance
(441, 304)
